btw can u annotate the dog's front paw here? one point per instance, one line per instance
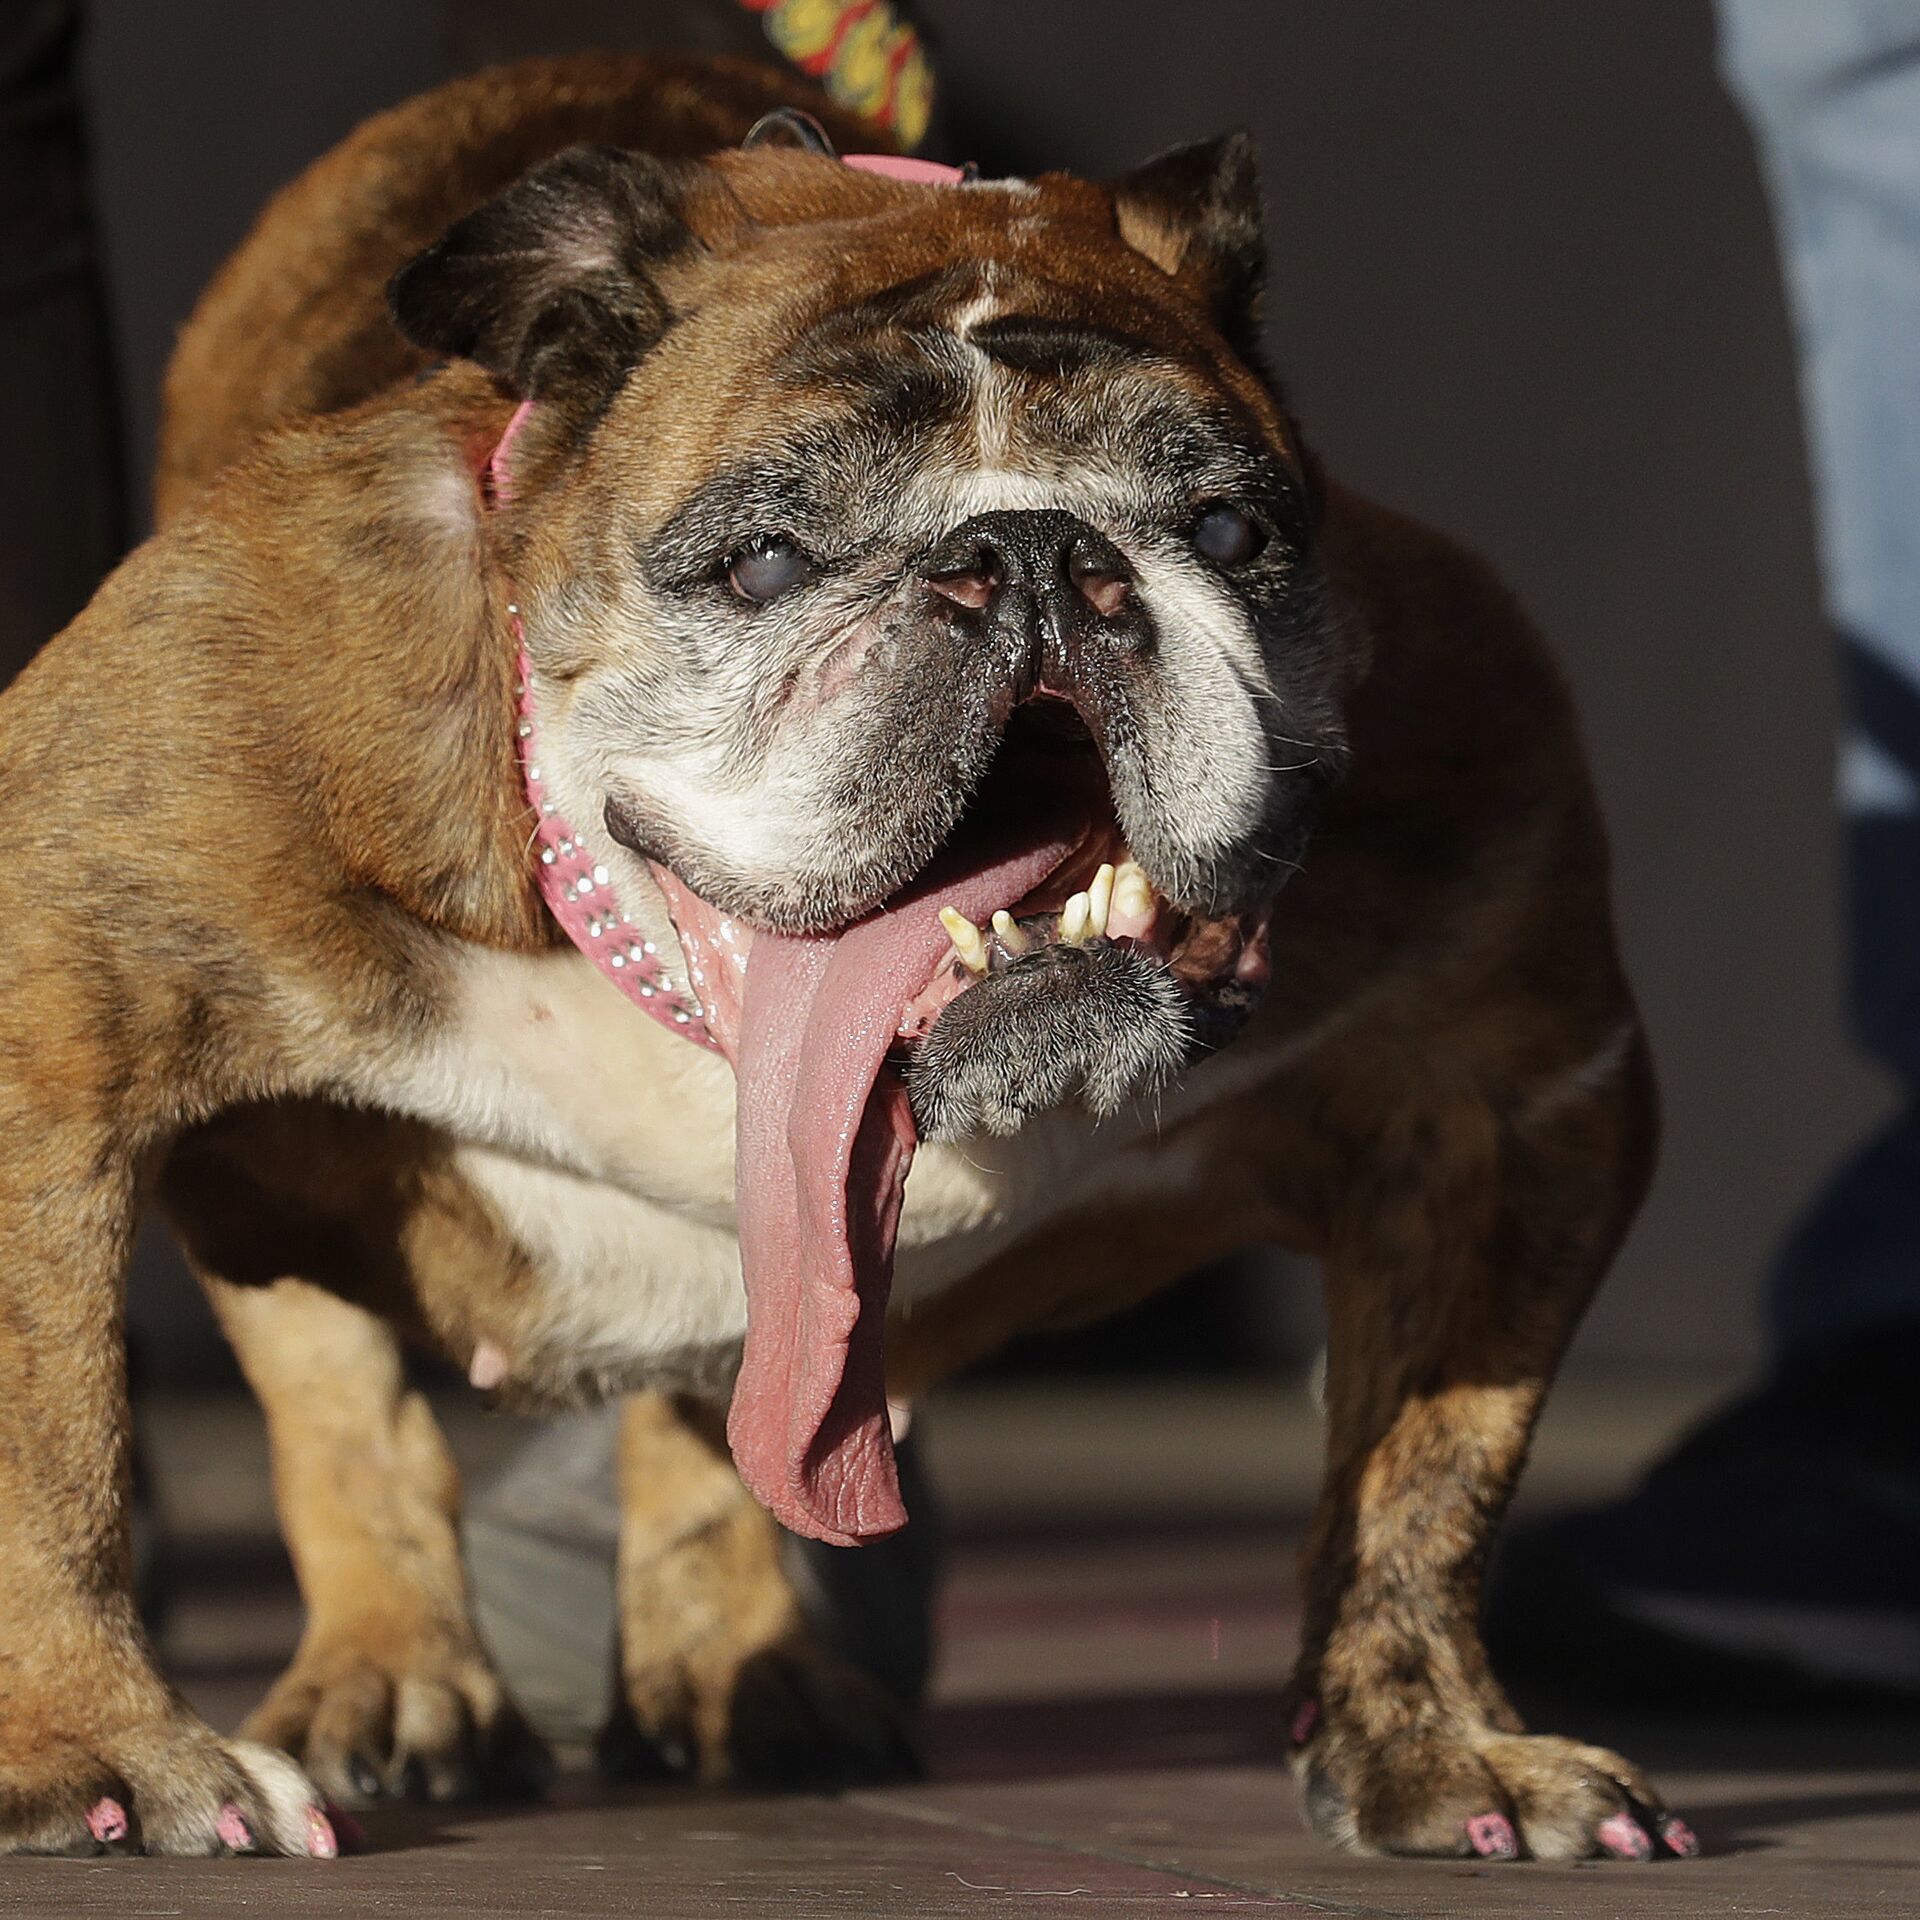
(1497, 1795)
(791, 1716)
(165, 1786)
(423, 1719)
(1100, 1023)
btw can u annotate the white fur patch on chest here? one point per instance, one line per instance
(604, 1146)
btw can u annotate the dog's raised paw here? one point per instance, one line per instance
(1098, 1023)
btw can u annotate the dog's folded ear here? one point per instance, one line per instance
(1195, 212)
(549, 285)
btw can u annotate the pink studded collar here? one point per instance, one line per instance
(573, 881)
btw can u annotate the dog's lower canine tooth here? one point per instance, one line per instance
(1100, 900)
(1007, 930)
(1075, 920)
(966, 938)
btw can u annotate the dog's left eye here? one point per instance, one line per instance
(766, 567)
(1226, 536)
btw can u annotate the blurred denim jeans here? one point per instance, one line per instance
(1832, 90)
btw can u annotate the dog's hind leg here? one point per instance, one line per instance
(1459, 1259)
(721, 1675)
(390, 1693)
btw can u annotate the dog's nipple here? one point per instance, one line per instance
(489, 1367)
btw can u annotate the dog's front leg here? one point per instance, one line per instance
(721, 1676)
(1465, 1250)
(390, 1692)
(96, 1750)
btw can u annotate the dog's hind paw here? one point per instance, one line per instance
(425, 1722)
(791, 1717)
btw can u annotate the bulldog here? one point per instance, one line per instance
(734, 775)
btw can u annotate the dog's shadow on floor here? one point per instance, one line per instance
(976, 1744)
(1752, 1826)
(1009, 1743)
(1080, 1734)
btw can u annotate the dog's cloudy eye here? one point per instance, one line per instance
(766, 567)
(1226, 536)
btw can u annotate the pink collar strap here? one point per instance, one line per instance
(900, 166)
(574, 883)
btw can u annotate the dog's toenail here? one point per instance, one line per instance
(107, 1821)
(1625, 1838)
(233, 1830)
(322, 1842)
(1492, 1837)
(1680, 1839)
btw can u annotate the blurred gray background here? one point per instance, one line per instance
(1523, 285)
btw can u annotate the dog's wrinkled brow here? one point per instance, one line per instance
(934, 308)
(1034, 343)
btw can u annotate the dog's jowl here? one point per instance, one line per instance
(733, 776)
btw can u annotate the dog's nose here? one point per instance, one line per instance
(1047, 559)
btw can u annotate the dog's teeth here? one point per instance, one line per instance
(1006, 929)
(1075, 919)
(966, 938)
(1100, 901)
(1132, 891)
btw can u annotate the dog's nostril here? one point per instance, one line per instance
(969, 588)
(1100, 572)
(1106, 593)
(1050, 554)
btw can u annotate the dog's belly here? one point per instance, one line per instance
(603, 1146)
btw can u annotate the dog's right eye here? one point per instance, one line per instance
(1227, 536)
(766, 567)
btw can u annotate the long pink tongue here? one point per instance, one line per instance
(825, 1141)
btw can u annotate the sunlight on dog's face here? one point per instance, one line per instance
(915, 507)
(807, 670)
(904, 506)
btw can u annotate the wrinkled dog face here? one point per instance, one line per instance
(841, 623)
(866, 521)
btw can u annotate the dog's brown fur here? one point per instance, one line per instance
(219, 872)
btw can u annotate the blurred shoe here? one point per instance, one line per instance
(1771, 1560)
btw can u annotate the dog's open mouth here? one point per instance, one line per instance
(1033, 912)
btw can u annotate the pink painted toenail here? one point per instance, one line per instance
(233, 1829)
(1492, 1837)
(347, 1830)
(322, 1842)
(107, 1821)
(1680, 1839)
(1306, 1717)
(1625, 1838)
